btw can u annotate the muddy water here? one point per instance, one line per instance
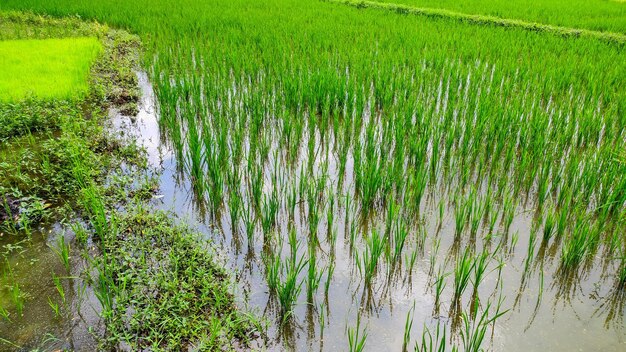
(29, 263)
(545, 311)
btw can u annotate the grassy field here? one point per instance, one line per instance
(46, 69)
(603, 15)
(354, 161)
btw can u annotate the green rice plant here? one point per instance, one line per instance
(329, 275)
(291, 202)
(474, 330)
(55, 308)
(561, 223)
(461, 214)
(577, 246)
(273, 270)
(508, 213)
(249, 220)
(433, 255)
(294, 244)
(63, 251)
(436, 343)
(514, 240)
(408, 325)
(269, 212)
(5, 314)
(58, 284)
(94, 204)
(357, 337)
(545, 16)
(400, 234)
(18, 297)
(531, 249)
(481, 262)
(440, 285)
(548, 227)
(289, 288)
(341, 114)
(314, 276)
(104, 291)
(412, 259)
(196, 161)
(235, 205)
(367, 262)
(321, 318)
(462, 274)
(80, 233)
(476, 211)
(622, 271)
(330, 214)
(441, 208)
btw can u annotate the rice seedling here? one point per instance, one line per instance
(289, 288)
(55, 308)
(462, 273)
(367, 262)
(622, 272)
(577, 246)
(481, 262)
(103, 292)
(314, 276)
(548, 226)
(17, 297)
(474, 330)
(436, 343)
(59, 287)
(531, 249)
(274, 266)
(440, 285)
(357, 337)
(329, 275)
(4, 314)
(408, 325)
(63, 251)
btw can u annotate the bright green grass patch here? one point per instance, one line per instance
(46, 69)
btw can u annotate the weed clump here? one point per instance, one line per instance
(168, 292)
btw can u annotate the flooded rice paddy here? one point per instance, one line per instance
(543, 308)
(313, 255)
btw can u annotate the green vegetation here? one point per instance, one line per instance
(363, 138)
(487, 20)
(609, 15)
(60, 163)
(165, 275)
(46, 69)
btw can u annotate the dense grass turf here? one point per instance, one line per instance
(605, 15)
(46, 69)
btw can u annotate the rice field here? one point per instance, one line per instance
(382, 181)
(46, 69)
(589, 14)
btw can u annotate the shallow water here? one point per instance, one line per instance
(31, 263)
(585, 314)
